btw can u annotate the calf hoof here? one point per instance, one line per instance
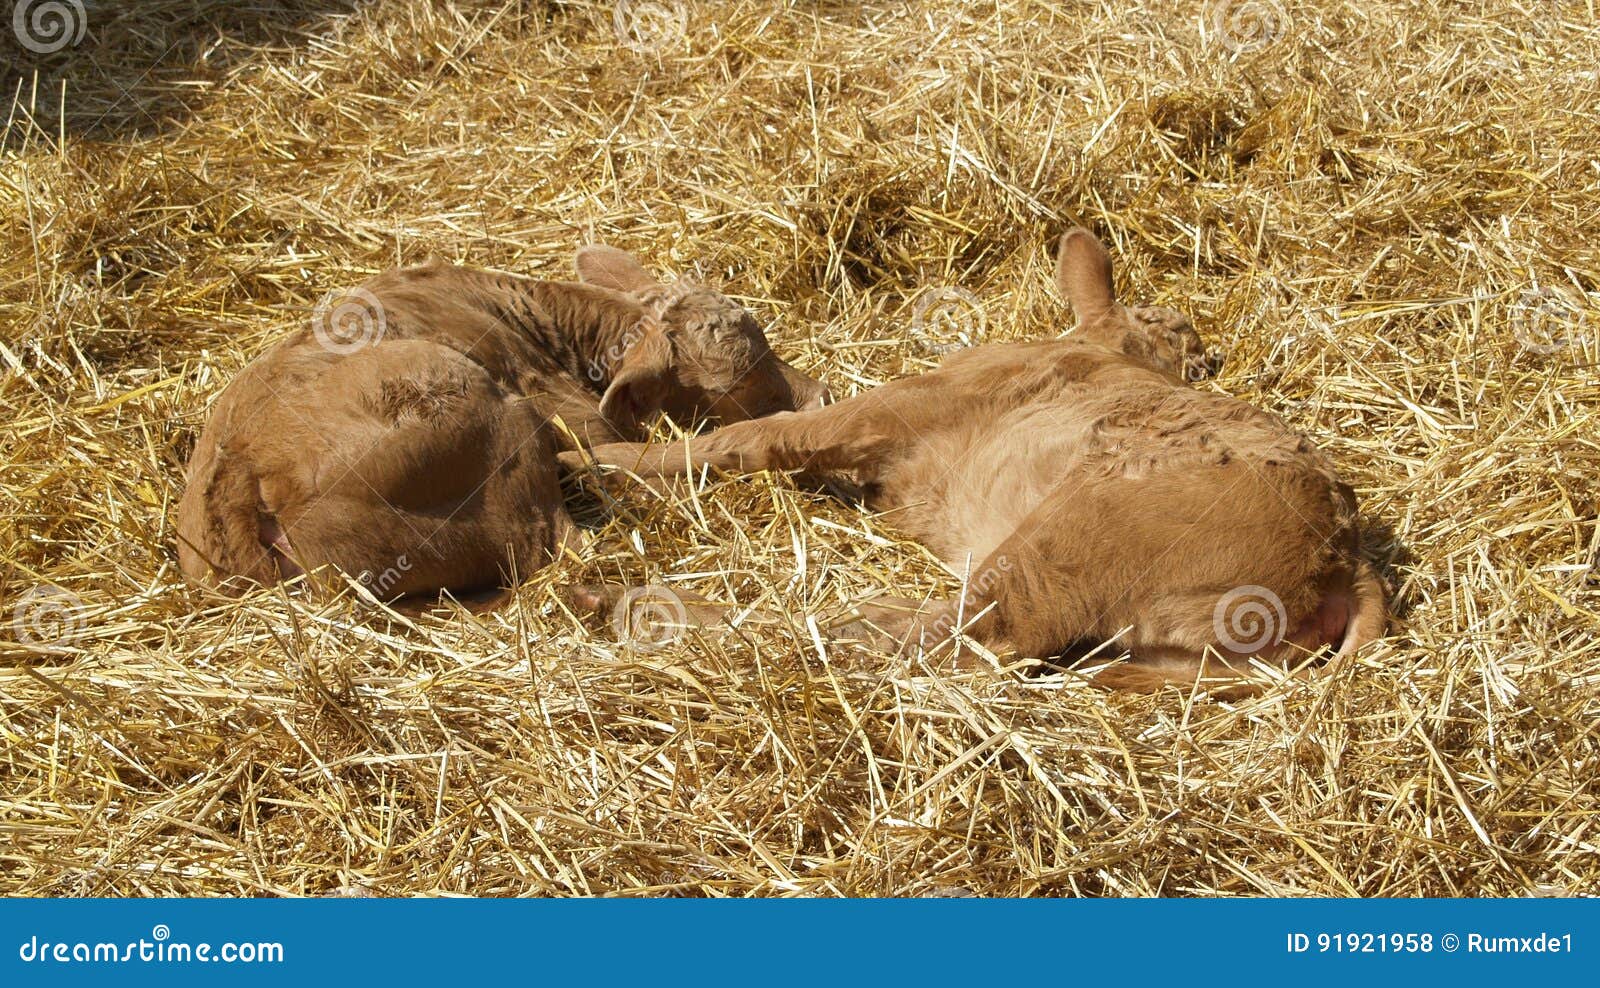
(590, 601)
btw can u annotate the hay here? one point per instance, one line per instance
(1384, 211)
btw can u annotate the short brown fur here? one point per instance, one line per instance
(425, 460)
(1086, 493)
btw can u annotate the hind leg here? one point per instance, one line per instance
(893, 622)
(434, 478)
(1014, 611)
(982, 612)
(500, 531)
(1062, 579)
(1115, 570)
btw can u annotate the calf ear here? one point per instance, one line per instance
(1083, 275)
(609, 267)
(639, 387)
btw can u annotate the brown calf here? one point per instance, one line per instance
(422, 453)
(1086, 494)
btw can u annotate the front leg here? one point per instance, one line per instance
(649, 461)
(848, 436)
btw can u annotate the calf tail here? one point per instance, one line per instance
(1369, 615)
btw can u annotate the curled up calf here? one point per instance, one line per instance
(425, 453)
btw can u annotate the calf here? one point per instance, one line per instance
(1087, 494)
(424, 449)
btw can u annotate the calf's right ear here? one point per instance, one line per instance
(640, 384)
(611, 268)
(1083, 275)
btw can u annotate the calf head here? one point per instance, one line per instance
(1157, 337)
(696, 355)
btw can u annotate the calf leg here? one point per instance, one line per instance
(981, 612)
(856, 434)
(786, 441)
(431, 477)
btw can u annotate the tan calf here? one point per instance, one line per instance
(421, 454)
(1087, 494)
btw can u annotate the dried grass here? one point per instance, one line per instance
(1357, 211)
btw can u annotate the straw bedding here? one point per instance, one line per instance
(1385, 212)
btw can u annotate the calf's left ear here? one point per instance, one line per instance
(609, 267)
(640, 385)
(1083, 275)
